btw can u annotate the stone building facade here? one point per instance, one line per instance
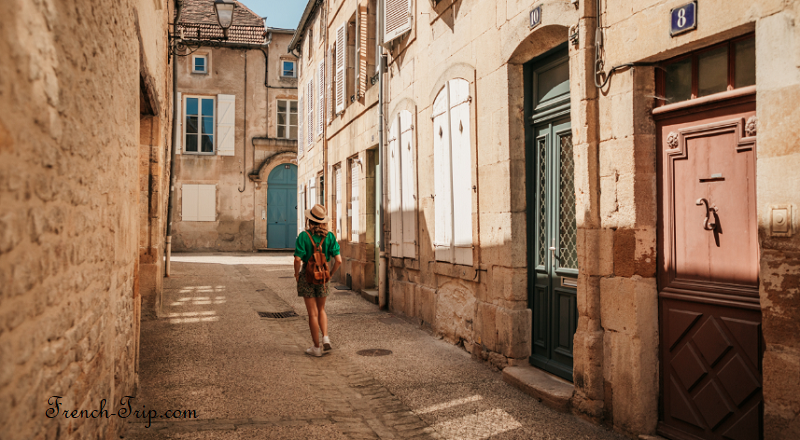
(555, 194)
(85, 111)
(238, 100)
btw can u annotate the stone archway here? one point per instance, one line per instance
(260, 178)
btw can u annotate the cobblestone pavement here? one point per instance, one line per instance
(247, 377)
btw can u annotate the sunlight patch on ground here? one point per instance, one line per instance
(449, 404)
(189, 317)
(478, 426)
(271, 259)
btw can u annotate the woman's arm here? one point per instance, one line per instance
(337, 261)
(298, 263)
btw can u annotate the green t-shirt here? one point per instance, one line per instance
(304, 249)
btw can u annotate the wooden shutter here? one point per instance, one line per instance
(363, 42)
(206, 203)
(310, 105)
(408, 183)
(354, 203)
(178, 141)
(341, 67)
(396, 19)
(338, 202)
(226, 124)
(461, 154)
(321, 97)
(300, 138)
(329, 72)
(312, 192)
(395, 190)
(442, 201)
(189, 203)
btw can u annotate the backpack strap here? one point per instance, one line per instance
(317, 247)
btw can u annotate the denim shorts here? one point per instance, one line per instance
(307, 290)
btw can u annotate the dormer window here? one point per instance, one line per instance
(199, 63)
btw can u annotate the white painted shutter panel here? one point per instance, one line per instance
(395, 190)
(355, 203)
(189, 203)
(462, 170)
(207, 203)
(329, 98)
(321, 97)
(357, 53)
(397, 19)
(312, 193)
(300, 118)
(443, 226)
(363, 41)
(341, 68)
(408, 171)
(178, 142)
(226, 125)
(301, 213)
(310, 121)
(338, 202)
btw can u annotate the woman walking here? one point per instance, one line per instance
(315, 237)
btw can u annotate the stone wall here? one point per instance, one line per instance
(70, 90)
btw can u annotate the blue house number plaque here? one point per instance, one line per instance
(684, 19)
(536, 16)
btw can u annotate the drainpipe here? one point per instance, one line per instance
(175, 116)
(383, 295)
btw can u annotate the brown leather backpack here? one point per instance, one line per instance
(317, 267)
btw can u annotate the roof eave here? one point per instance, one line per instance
(301, 26)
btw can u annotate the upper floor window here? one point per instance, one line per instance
(199, 125)
(199, 63)
(288, 69)
(287, 119)
(727, 66)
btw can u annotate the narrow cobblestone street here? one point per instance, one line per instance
(247, 377)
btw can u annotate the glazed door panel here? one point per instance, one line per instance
(710, 317)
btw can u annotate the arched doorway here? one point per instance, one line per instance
(282, 207)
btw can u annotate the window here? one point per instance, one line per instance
(310, 51)
(199, 63)
(310, 108)
(402, 186)
(452, 164)
(716, 69)
(198, 203)
(340, 77)
(199, 125)
(396, 19)
(288, 69)
(355, 167)
(287, 119)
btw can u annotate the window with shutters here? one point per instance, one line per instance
(300, 126)
(452, 161)
(402, 186)
(371, 55)
(340, 76)
(198, 203)
(397, 19)
(321, 97)
(198, 125)
(287, 119)
(310, 109)
(355, 216)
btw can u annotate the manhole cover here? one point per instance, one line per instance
(277, 315)
(374, 352)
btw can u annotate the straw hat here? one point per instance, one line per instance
(317, 214)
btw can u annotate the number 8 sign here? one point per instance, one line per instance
(683, 19)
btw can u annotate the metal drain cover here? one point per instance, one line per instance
(372, 352)
(278, 315)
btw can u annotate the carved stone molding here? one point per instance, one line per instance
(672, 140)
(751, 127)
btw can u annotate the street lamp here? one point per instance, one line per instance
(224, 10)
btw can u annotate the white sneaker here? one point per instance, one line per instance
(326, 343)
(314, 351)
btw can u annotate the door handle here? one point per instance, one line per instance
(553, 252)
(708, 224)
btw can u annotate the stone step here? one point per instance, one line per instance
(553, 391)
(370, 295)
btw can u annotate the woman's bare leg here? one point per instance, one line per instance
(323, 317)
(313, 319)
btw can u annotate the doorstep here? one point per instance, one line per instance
(370, 295)
(552, 390)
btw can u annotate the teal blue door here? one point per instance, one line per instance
(282, 207)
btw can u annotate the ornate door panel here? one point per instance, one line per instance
(710, 317)
(282, 207)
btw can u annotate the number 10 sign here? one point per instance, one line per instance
(683, 19)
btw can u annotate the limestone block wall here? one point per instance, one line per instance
(69, 196)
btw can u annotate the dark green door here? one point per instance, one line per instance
(552, 250)
(282, 207)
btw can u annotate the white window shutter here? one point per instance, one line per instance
(206, 203)
(178, 142)
(363, 40)
(461, 157)
(338, 202)
(396, 19)
(300, 118)
(442, 201)
(312, 192)
(395, 190)
(329, 80)
(189, 203)
(354, 203)
(301, 213)
(226, 125)
(341, 68)
(408, 183)
(321, 97)
(310, 121)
